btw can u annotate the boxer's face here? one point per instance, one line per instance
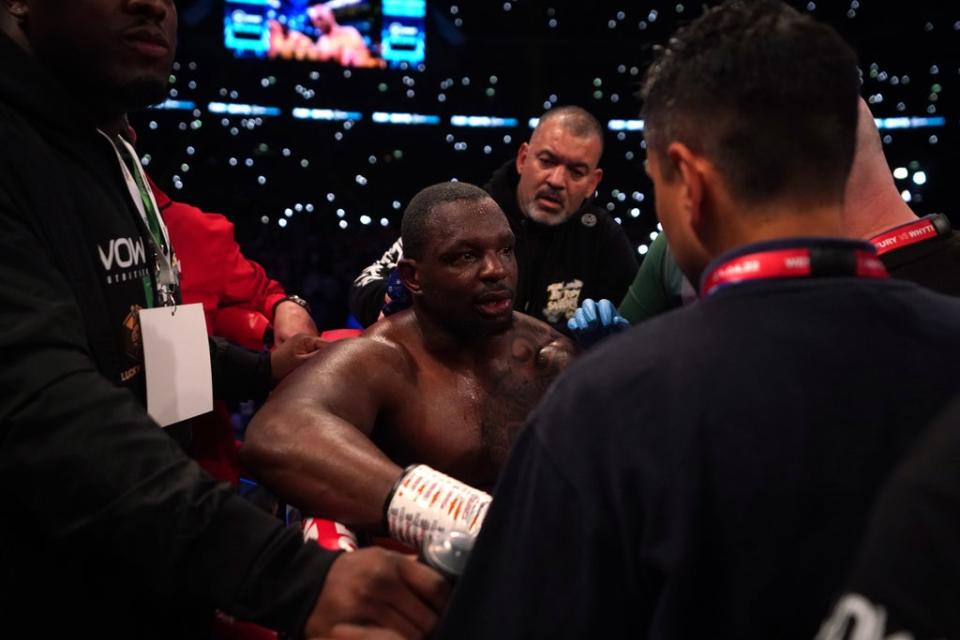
(120, 50)
(468, 274)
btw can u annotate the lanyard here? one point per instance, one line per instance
(166, 266)
(797, 262)
(911, 233)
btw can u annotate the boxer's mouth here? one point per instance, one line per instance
(495, 304)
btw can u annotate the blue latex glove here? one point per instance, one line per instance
(398, 297)
(594, 321)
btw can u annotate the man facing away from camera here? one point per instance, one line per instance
(709, 473)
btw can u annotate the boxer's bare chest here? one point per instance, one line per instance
(462, 420)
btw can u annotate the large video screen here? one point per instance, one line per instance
(348, 33)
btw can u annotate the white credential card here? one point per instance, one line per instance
(176, 356)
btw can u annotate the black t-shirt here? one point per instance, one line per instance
(934, 263)
(709, 472)
(907, 576)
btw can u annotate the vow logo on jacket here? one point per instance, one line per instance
(122, 253)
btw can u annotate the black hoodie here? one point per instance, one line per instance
(106, 527)
(588, 256)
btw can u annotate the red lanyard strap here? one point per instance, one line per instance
(911, 233)
(799, 262)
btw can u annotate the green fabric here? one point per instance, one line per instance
(657, 286)
(152, 223)
(152, 215)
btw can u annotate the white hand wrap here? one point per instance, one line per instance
(426, 501)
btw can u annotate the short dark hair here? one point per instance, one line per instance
(577, 120)
(768, 94)
(415, 226)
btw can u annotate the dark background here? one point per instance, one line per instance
(504, 59)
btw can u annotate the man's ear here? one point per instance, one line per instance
(689, 168)
(522, 156)
(410, 275)
(596, 177)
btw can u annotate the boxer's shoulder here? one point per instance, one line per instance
(541, 333)
(391, 352)
(396, 331)
(377, 349)
(552, 348)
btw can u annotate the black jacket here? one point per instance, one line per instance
(106, 527)
(588, 256)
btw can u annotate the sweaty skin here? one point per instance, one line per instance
(336, 435)
(447, 383)
(462, 417)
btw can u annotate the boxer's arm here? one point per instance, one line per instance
(310, 443)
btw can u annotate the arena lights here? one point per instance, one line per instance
(384, 117)
(910, 123)
(625, 125)
(471, 121)
(301, 113)
(176, 105)
(483, 122)
(238, 109)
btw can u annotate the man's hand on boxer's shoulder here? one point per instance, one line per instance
(292, 353)
(382, 588)
(289, 319)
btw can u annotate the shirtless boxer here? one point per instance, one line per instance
(444, 386)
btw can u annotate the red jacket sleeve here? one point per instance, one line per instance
(237, 295)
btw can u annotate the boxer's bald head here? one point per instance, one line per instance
(418, 218)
